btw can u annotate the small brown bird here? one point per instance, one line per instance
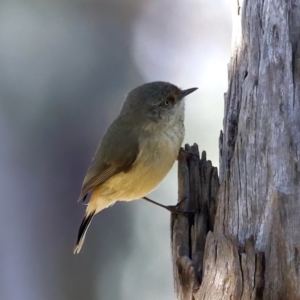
(137, 151)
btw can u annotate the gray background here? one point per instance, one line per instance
(65, 67)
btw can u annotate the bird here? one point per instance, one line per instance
(137, 151)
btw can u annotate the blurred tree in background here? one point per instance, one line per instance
(65, 68)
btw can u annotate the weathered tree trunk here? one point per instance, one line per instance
(250, 248)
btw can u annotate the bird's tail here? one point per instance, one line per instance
(83, 229)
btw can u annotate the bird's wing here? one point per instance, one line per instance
(116, 153)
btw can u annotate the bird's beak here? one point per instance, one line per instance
(187, 92)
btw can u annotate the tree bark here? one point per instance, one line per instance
(250, 248)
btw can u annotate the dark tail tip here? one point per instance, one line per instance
(82, 231)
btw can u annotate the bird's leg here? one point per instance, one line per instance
(172, 208)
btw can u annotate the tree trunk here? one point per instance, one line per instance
(250, 248)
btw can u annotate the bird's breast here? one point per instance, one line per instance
(157, 154)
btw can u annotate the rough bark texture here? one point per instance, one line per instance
(253, 249)
(198, 186)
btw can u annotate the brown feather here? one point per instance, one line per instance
(107, 162)
(96, 180)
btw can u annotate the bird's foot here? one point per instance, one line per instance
(187, 154)
(172, 208)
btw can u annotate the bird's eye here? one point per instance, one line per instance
(170, 99)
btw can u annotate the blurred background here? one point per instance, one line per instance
(65, 67)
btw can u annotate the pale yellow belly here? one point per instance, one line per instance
(139, 181)
(150, 168)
